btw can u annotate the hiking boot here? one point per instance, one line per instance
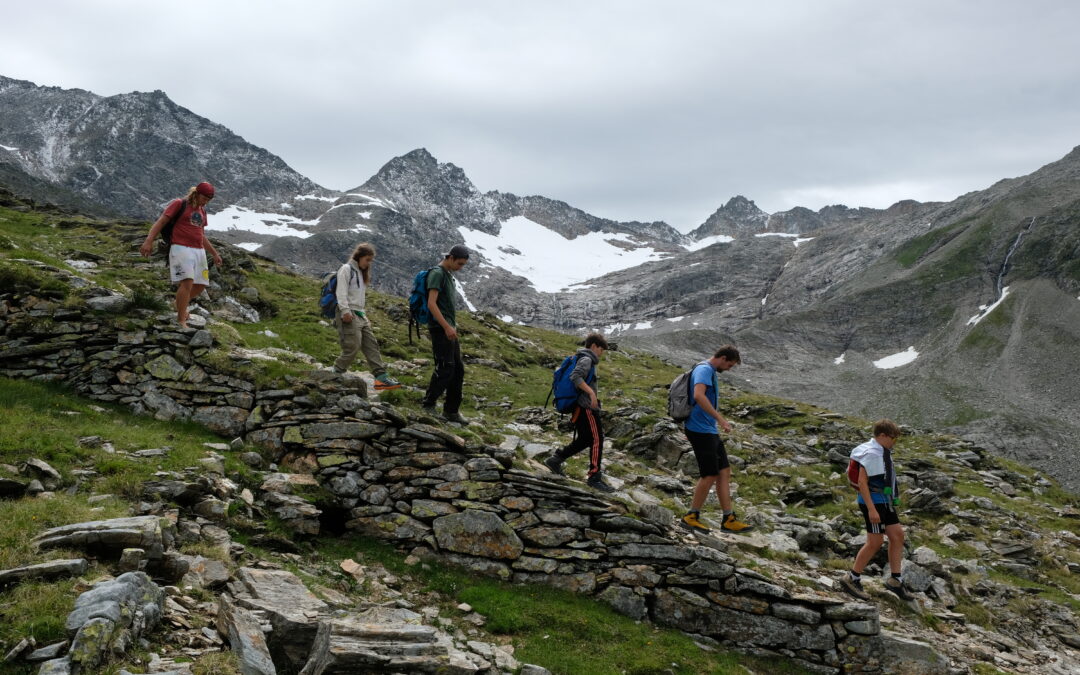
(733, 524)
(897, 588)
(554, 465)
(692, 522)
(597, 483)
(456, 417)
(384, 383)
(854, 587)
(431, 410)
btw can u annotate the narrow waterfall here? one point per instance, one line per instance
(1005, 265)
(1000, 287)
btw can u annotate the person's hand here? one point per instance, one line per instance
(146, 247)
(347, 317)
(593, 402)
(725, 425)
(217, 259)
(451, 333)
(875, 517)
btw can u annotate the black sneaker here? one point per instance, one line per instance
(554, 465)
(456, 418)
(854, 587)
(431, 411)
(599, 485)
(897, 588)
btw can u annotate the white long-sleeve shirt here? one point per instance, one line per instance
(350, 288)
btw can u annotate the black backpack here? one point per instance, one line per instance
(167, 230)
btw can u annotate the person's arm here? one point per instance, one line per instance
(577, 378)
(705, 404)
(211, 250)
(148, 245)
(436, 314)
(342, 293)
(864, 490)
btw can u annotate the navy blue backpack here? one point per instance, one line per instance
(562, 389)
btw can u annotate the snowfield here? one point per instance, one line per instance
(896, 360)
(550, 261)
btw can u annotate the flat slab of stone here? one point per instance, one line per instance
(150, 533)
(384, 640)
(52, 569)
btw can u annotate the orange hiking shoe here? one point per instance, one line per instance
(733, 524)
(384, 383)
(692, 522)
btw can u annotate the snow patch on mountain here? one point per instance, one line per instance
(896, 360)
(550, 261)
(371, 201)
(239, 218)
(705, 242)
(9, 148)
(796, 239)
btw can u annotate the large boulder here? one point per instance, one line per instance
(477, 533)
(110, 617)
(292, 610)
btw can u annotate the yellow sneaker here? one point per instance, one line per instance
(691, 522)
(733, 524)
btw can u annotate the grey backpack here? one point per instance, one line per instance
(679, 399)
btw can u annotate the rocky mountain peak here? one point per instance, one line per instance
(420, 186)
(739, 216)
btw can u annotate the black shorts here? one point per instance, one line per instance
(709, 453)
(888, 514)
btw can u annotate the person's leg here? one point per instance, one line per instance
(596, 443)
(582, 436)
(895, 533)
(369, 345)
(867, 552)
(442, 351)
(183, 296)
(455, 381)
(705, 447)
(723, 489)
(349, 339)
(701, 492)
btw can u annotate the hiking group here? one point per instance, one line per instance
(693, 396)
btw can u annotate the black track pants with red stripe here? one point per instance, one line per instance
(590, 435)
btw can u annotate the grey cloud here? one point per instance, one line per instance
(629, 110)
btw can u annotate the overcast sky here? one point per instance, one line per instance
(628, 110)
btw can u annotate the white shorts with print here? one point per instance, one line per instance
(186, 262)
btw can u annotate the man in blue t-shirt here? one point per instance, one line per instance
(701, 431)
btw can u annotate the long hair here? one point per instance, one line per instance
(361, 251)
(191, 195)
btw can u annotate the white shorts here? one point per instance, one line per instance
(186, 262)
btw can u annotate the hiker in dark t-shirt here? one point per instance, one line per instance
(449, 375)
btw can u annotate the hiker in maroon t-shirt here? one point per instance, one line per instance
(189, 246)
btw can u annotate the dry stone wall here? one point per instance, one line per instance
(427, 490)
